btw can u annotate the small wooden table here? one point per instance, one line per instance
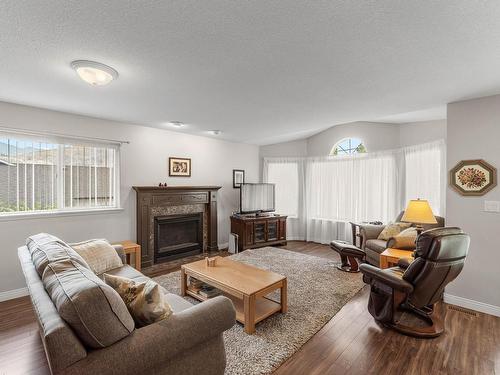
(390, 257)
(245, 285)
(130, 248)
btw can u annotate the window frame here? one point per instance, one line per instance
(62, 143)
(361, 142)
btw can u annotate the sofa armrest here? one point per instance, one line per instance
(156, 345)
(387, 277)
(119, 250)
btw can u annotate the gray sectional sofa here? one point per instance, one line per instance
(86, 328)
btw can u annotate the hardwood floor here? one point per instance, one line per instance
(351, 343)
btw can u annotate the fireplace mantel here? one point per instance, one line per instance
(150, 198)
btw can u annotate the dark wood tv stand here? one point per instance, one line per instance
(259, 231)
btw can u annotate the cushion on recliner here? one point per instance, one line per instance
(46, 248)
(93, 309)
(376, 245)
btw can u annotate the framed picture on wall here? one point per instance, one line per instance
(179, 167)
(473, 177)
(238, 178)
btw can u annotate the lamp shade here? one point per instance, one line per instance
(419, 212)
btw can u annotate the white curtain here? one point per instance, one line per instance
(322, 195)
(425, 174)
(288, 176)
(352, 188)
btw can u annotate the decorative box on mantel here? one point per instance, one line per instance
(175, 221)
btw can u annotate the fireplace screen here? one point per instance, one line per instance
(177, 236)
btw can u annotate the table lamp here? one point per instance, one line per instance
(419, 212)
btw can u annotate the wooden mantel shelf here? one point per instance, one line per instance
(174, 188)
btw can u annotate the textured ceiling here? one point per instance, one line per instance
(261, 71)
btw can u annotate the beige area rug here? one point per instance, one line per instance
(317, 290)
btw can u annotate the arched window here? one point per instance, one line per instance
(348, 146)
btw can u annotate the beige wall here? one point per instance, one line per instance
(473, 133)
(143, 162)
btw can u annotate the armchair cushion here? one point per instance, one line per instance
(370, 231)
(404, 240)
(392, 230)
(391, 277)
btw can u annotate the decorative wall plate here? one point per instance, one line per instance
(473, 177)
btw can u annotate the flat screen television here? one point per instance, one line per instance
(256, 198)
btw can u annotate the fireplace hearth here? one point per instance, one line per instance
(178, 236)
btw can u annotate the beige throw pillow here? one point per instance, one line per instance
(391, 230)
(405, 240)
(145, 300)
(99, 255)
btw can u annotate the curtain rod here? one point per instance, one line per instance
(53, 134)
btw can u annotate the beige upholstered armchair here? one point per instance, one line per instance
(373, 247)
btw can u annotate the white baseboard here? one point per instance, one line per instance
(472, 305)
(223, 246)
(11, 294)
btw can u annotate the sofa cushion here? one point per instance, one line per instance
(99, 255)
(145, 300)
(45, 249)
(376, 245)
(93, 309)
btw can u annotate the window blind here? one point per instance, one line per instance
(47, 175)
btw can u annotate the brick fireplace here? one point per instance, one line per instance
(175, 221)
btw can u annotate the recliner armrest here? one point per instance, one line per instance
(386, 276)
(404, 263)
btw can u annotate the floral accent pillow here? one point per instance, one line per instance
(392, 230)
(145, 300)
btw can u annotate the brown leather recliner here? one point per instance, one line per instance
(416, 287)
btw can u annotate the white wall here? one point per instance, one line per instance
(143, 162)
(415, 133)
(473, 133)
(293, 148)
(376, 136)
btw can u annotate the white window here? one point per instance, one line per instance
(40, 175)
(348, 146)
(286, 178)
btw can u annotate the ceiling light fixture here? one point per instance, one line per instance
(216, 132)
(177, 124)
(94, 73)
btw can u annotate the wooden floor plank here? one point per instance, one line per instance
(350, 343)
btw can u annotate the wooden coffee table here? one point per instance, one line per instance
(245, 285)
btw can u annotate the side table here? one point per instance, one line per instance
(390, 257)
(131, 248)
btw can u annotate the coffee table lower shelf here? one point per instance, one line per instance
(264, 307)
